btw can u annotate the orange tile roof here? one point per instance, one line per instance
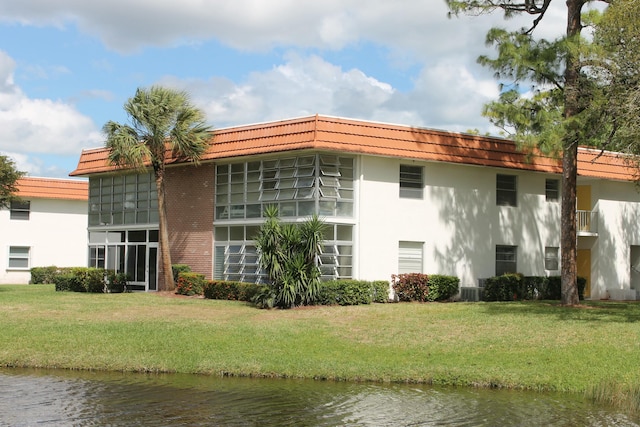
(51, 188)
(362, 137)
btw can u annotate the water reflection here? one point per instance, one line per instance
(63, 398)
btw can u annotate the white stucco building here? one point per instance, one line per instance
(395, 199)
(48, 226)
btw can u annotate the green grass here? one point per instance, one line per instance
(523, 345)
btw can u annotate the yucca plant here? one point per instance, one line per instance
(290, 254)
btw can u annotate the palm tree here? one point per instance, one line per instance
(164, 125)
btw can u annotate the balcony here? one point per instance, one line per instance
(587, 223)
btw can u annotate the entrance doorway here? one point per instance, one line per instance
(133, 252)
(584, 269)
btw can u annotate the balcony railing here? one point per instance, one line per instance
(587, 223)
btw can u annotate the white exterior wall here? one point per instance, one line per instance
(618, 207)
(457, 220)
(56, 232)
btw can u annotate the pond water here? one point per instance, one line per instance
(71, 398)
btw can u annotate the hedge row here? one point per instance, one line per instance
(80, 279)
(353, 292)
(422, 287)
(510, 287)
(229, 290)
(334, 292)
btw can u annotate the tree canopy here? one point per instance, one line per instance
(9, 177)
(554, 115)
(617, 36)
(163, 123)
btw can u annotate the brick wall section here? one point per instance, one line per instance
(189, 196)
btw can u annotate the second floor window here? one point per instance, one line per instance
(506, 190)
(411, 184)
(20, 210)
(552, 190)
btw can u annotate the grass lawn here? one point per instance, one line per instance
(529, 345)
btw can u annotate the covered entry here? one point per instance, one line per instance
(133, 252)
(584, 269)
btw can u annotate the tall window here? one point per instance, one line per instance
(123, 200)
(552, 190)
(300, 186)
(506, 190)
(551, 258)
(411, 183)
(410, 255)
(506, 259)
(236, 256)
(19, 257)
(20, 210)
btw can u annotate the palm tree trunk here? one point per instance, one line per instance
(166, 284)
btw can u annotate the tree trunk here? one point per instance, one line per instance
(570, 143)
(167, 283)
(568, 234)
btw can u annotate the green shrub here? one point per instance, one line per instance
(442, 288)
(42, 275)
(582, 284)
(508, 287)
(411, 286)
(190, 283)
(64, 281)
(511, 287)
(380, 291)
(116, 282)
(90, 279)
(176, 269)
(345, 292)
(230, 290)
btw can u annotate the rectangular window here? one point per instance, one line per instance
(410, 255)
(506, 190)
(552, 190)
(506, 259)
(20, 210)
(123, 200)
(236, 256)
(551, 258)
(19, 257)
(411, 183)
(298, 186)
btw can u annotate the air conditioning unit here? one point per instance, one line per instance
(471, 293)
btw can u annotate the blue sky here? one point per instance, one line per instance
(68, 66)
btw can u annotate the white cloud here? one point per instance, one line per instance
(39, 125)
(416, 25)
(444, 96)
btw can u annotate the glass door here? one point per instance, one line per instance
(152, 268)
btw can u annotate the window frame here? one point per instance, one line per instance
(410, 254)
(552, 194)
(501, 252)
(300, 186)
(12, 257)
(20, 210)
(552, 258)
(506, 192)
(409, 186)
